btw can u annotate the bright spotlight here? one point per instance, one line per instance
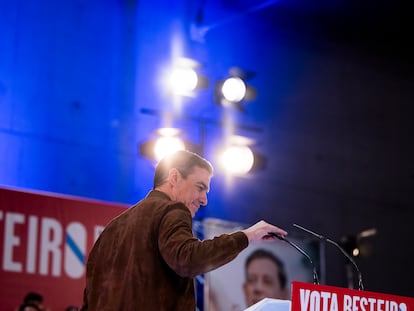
(184, 79)
(167, 145)
(237, 160)
(234, 89)
(167, 141)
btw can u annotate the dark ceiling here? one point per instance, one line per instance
(385, 26)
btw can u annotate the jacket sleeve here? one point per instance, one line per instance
(187, 255)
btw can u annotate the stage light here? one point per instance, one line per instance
(237, 160)
(234, 90)
(236, 157)
(184, 78)
(167, 145)
(167, 141)
(356, 244)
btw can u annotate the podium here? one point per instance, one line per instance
(313, 297)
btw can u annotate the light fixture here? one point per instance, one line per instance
(167, 143)
(232, 91)
(237, 160)
(184, 79)
(354, 244)
(237, 157)
(167, 140)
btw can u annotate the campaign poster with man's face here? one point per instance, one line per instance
(263, 270)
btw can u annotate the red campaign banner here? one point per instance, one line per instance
(313, 297)
(44, 243)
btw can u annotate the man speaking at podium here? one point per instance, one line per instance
(147, 257)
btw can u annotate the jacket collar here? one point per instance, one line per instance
(158, 194)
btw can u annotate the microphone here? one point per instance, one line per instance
(315, 275)
(321, 237)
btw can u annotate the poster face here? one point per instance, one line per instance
(227, 288)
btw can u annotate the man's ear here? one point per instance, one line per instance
(173, 176)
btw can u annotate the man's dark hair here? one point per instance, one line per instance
(262, 253)
(183, 161)
(32, 297)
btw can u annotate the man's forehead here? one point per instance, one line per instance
(262, 264)
(200, 172)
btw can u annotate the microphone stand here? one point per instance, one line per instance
(321, 237)
(315, 275)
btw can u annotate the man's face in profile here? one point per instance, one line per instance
(262, 281)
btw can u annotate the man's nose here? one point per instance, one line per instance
(203, 199)
(258, 286)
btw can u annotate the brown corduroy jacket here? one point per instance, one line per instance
(147, 257)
